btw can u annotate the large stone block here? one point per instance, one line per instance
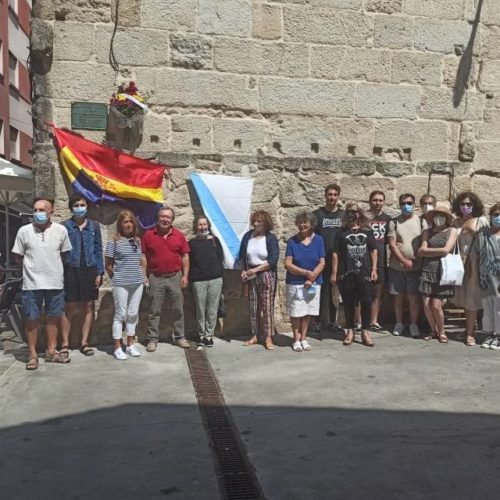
(334, 4)
(133, 46)
(192, 134)
(267, 21)
(488, 188)
(309, 97)
(393, 32)
(327, 25)
(359, 188)
(156, 132)
(74, 41)
(442, 9)
(324, 136)
(169, 14)
(418, 141)
(358, 166)
(490, 48)
(80, 81)
(438, 185)
(487, 159)
(225, 17)
(489, 76)
(440, 35)
(350, 64)
(451, 66)
(191, 51)
(44, 10)
(129, 12)
(41, 49)
(291, 192)
(489, 129)
(395, 169)
(417, 68)
(383, 6)
(387, 101)
(247, 56)
(198, 88)
(490, 13)
(83, 11)
(266, 186)
(240, 136)
(437, 103)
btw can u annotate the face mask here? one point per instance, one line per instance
(427, 208)
(352, 216)
(40, 217)
(495, 221)
(79, 211)
(466, 210)
(203, 234)
(407, 209)
(439, 220)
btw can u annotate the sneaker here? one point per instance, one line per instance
(131, 350)
(209, 342)
(336, 328)
(119, 354)
(398, 329)
(375, 327)
(297, 346)
(182, 342)
(487, 342)
(305, 345)
(152, 345)
(357, 328)
(414, 331)
(495, 343)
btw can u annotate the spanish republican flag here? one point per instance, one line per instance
(102, 174)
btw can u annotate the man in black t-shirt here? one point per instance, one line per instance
(329, 222)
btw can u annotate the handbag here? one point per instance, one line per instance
(452, 268)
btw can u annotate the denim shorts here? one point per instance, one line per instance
(403, 282)
(32, 301)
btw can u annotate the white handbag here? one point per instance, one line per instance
(452, 268)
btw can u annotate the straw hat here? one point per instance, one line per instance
(440, 209)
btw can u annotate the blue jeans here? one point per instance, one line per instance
(32, 301)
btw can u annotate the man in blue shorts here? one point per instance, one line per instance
(39, 247)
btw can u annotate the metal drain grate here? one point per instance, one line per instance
(236, 475)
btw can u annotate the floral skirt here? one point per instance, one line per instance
(429, 286)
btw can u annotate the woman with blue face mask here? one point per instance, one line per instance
(488, 248)
(469, 210)
(83, 271)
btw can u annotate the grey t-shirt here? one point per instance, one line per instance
(42, 263)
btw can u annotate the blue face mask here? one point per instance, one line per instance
(407, 209)
(79, 211)
(495, 221)
(40, 217)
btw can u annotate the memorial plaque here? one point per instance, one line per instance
(89, 116)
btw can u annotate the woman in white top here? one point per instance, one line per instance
(469, 209)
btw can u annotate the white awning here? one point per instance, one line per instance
(14, 179)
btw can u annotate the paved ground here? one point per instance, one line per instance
(405, 420)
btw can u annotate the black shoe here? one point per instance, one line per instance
(208, 342)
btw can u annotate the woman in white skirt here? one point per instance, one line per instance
(304, 262)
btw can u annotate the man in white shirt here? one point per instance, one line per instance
(39, 247)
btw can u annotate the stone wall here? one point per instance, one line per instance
(399, 95)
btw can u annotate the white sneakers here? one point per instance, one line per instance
(131, 350)
(491, 342)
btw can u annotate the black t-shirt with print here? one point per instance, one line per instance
(380, 228)
(353, 249)
(328, 226)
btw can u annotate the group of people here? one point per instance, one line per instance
(338, 255)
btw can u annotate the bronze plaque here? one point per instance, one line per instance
(89, 116)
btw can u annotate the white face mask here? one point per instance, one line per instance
(439, 220)
(427, 208)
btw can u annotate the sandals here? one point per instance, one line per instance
(64, 351)
(470, 341)
(297, 346)
(349, 337)
(32, 363)
(268, 344)
(430, 336)
(85, 350)
(442, 337)
(305, 345)
(55, 357)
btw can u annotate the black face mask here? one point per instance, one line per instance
(352, 216)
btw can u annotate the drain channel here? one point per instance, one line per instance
(235, 473)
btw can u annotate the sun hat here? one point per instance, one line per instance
(440, 208)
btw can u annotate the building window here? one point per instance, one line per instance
(15, 148)
(13, 71)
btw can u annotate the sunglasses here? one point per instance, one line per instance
(133, 244)
(466, 204)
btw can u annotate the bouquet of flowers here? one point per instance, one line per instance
(128, 105)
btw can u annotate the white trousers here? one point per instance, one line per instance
(491, 314)
(127, 301)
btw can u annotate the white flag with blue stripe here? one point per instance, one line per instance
(226, 202)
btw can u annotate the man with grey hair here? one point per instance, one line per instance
(167, 253)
